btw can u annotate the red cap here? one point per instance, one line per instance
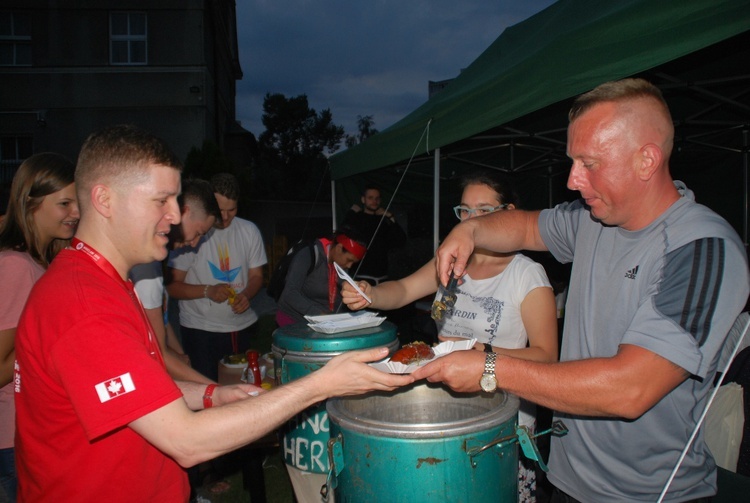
(351, 246)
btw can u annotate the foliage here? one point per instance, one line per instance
(289, 161)
(365, 126)
(295, 146)
(207, 161)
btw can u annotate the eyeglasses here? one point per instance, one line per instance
(462, 212)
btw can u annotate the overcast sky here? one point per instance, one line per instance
(362, 57)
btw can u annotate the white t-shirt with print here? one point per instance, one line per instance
(489, 310)
(226, 256)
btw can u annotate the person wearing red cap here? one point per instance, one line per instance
(312, 286)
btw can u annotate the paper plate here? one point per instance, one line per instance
(441, 349)
(334, 327)
(340, 317)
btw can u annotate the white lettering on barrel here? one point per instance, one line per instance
(305, 454)
(318, 422)
(305, 444)
(288, 448)
(317, 449)
(302, 444)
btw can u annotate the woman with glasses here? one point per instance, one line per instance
(505, 300)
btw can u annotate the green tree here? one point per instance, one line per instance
(206, 161)
(295, 146)
(365, 128)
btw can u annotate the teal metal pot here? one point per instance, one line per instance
(423, 443)
(298, 350)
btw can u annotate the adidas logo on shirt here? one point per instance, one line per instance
(631, 273)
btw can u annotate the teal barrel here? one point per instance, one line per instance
(298, 350)
(424, 444)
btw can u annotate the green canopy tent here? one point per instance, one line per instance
(508, 109)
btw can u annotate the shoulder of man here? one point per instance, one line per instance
(692, 221)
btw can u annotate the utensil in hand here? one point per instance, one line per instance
(447, 301)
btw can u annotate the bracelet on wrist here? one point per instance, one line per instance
(205, 292)
(208, 400)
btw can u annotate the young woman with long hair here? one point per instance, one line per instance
(41, 218)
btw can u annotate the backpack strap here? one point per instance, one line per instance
(313, 256)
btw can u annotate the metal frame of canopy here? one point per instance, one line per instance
(709, 94)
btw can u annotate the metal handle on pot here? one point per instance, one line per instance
(336, 462)
(279, 374)
(528, 446)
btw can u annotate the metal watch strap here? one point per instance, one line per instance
(489, 363)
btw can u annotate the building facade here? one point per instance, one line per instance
(70, 67)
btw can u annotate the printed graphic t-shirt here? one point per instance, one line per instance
(226, 256)
(489, 310)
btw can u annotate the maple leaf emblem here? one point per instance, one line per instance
(114, 387)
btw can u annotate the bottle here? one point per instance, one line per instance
(252, 373)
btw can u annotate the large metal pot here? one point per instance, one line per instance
(423, 443)
(298, 350)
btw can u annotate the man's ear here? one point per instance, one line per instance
(650, 159)
(101, 199)
(510, 206)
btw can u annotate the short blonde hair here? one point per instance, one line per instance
(625, 92)
(120, 155)
(618, 90)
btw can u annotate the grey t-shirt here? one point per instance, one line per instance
(674, 288)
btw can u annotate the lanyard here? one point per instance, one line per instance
(110, 271)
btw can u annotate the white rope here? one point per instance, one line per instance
(703, 415)
(425, 133)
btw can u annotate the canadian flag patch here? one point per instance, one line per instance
(117, 386)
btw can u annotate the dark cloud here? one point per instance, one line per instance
(362, 57)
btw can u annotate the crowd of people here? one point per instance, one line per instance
(90, 374)
(90, 361)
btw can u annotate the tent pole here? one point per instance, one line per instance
(549, 186)
(436, 200)
(745, 154)
(333, 205)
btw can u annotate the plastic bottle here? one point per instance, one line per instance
(253, 368)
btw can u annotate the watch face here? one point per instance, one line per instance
(488, 382)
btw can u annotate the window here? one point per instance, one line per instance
(13, 150)
(128, 41)
(15, 39)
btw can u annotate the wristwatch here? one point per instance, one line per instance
(488, 382)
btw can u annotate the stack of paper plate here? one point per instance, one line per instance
(335, 323)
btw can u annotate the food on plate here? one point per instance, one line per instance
(414, 352)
